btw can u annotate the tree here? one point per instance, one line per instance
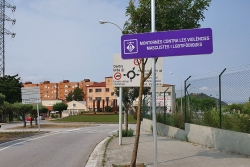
(130, 94)
(41, 108)
(6, 109)
(22, 110)
(44, 109)
(33, 114)
(60, 107)
(77, 95)
(170, 15)
(10, 86)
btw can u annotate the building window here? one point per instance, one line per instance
(45, 86)
(107, 89)
(98, 90)
(90, 90)
(66, 90)
(107, 98)
(112, 93)
(90, 99)
(55, 86)
(98, 98)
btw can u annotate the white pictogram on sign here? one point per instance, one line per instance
(130, 46)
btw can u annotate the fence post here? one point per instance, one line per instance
(185, 107)
(220, 94)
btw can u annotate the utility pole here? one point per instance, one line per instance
(3, 32)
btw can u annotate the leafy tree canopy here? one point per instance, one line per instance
(10, 86)
(2, 98)
(60, 107)
(169, 14)
(76, 95)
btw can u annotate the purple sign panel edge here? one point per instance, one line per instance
(167, 43)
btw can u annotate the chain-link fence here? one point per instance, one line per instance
(217, 99)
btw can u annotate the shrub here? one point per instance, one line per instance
(108, 109)
(125, 134)
(54, 116)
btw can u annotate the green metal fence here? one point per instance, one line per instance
(219, 99)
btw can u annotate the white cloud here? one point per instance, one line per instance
(203, 88)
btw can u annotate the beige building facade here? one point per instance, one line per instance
(101, 94)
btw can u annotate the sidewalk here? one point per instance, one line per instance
(171, 153)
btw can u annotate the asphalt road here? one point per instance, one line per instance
(60, 148)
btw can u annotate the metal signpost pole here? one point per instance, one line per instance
(120, 115)
(120, 90)
(38, 116)
(154, 86)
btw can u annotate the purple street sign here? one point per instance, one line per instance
(167, 43)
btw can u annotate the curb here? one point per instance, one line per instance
(96, 156)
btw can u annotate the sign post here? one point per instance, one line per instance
(154, 88)
(31, 95)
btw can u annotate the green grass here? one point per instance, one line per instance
(96, 118)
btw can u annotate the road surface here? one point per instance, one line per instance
(59, 148)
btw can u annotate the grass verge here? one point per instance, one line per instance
(105, 150)
(8, 136)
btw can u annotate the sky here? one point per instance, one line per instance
(62, 39)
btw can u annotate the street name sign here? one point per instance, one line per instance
(126, 73)
(167, 43)
(31, 95)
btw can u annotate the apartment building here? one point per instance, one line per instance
(65, 87)
(101, 94)
(59, 91)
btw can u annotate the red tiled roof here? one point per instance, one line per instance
(101, 84)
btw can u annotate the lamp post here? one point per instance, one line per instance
(181, 87)
(120, 91)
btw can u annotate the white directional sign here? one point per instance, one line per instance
(126, 73)
(31, 95)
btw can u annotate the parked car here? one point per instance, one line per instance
(29, 119)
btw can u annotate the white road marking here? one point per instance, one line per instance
(87, 130)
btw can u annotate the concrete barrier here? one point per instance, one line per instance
(207, 136)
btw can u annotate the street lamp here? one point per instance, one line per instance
(104, 22)
(120, 91)
(181, 87)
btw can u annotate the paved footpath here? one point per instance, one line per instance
(171, 153)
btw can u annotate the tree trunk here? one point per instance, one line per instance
(31, 121)
(138, 127)
(36, 120)
(4, 117)
(60, 112)
(24, 121)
